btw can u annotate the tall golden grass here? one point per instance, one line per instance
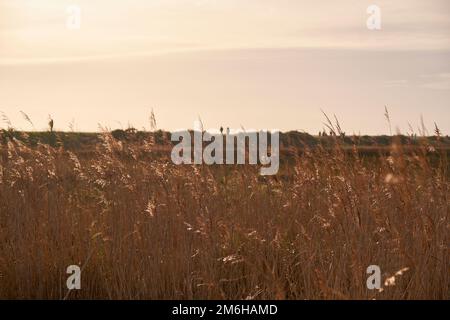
(143, 228)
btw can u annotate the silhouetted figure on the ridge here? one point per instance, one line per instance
(50, 124)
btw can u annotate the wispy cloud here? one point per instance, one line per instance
(403, 83)
(440, 81)
(35, 29)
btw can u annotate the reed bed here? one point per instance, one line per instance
(141, 227)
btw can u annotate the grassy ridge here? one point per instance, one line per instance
(74, 140)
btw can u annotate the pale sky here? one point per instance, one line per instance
(263, 64)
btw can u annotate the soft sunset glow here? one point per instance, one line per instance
(212, 57)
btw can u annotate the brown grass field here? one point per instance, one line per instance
(143, 228)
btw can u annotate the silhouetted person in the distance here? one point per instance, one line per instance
(50, 124)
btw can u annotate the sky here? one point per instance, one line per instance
(260, 64)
